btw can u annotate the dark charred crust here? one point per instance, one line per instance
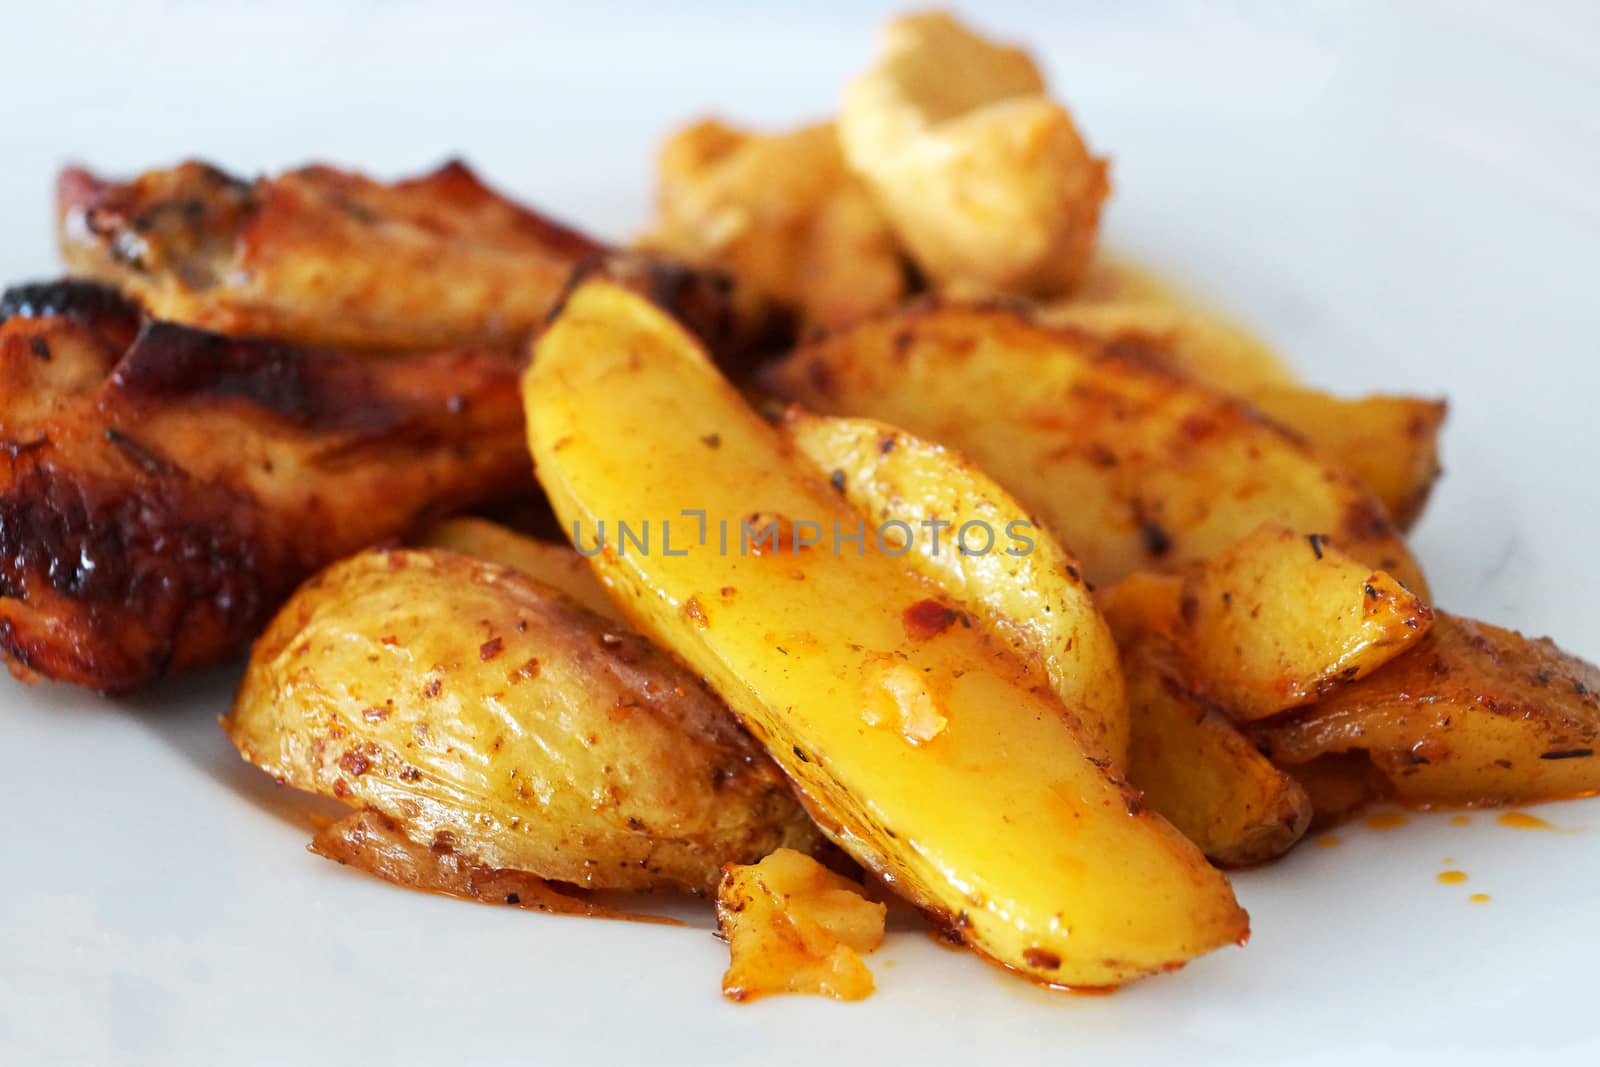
(1568, 753)
(68, 297)
(310, 388)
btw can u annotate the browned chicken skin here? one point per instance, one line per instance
(322, 256)
(163, 489)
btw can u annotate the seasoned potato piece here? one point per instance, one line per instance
(1003, 568)
(487, 714)
(1201, 344)
(793, 926)
(558, 566)
(1279, 619)
(371, 841)
(1198, 771)
(1130, 467)
(1473, 714)
(986, 179)
(1390, 442)
(780, 212)
(909, 749)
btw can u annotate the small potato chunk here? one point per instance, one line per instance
(1473, 714)
(783, 214)
(1390, 442)
(558, 566)
(488, 715)
(986, 179)
(1196, 768)
(1005, 569)
(793, 926)
(910, 751)
(1280, 618)
(1130, 466)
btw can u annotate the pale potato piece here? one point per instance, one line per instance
(1196, 768)
(985, 179)
(1000, 564)
(1131, 467)
(1473, 714)
(793, 926)
(558, 566)
(1390, 442)
(783, 214)
(940, 764)
(487, 714)
(1280, 618)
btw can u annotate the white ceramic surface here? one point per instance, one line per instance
(1402, 196)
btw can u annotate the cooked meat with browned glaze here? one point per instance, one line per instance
(322, 256)
(163, 489)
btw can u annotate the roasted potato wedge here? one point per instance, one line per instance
(1131, 467)
(558, 566)
(488, 714)
(372, 842)
(1390, 442)
(1199, 343)
(793, 926)
(1473, 714)
(783, 214)
(995, 559)
(1196, 768)
(912, 754)
(1278, 619)
(986, 180)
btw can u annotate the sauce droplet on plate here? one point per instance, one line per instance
(1521, 820)
(1386, 820)
(1460, 820)
(1327, 841)
(1452, 877)
(1479, 898)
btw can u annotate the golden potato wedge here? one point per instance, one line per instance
(793, 926)
(372, 842)
(1279, 619)
(1196, 768)
(1390, 442)
(489, 715)
(783, 214)
(558, 566)
(1130, 467)
(934, 759)
(1202, 344)
(985, 179)
(994, 559)
(1473, 714)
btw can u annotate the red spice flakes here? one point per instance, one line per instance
(490, 649)
(928, 618)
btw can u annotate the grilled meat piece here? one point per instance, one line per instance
(321, 256)
(163, 489)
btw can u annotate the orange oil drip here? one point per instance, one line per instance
(1521, 820)
(1452, 877)
(1386, 820)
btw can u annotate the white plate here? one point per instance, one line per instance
(1401, 196)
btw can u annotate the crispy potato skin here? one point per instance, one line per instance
(491, 715)
(558, 566)
(1473, 714)
(1196, 768)
(321, 256)
(1390, 442)
(1025, 587)
(627, 418)
(780, 212)
(163, 489)
(1131, 467)
(1280, 618)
